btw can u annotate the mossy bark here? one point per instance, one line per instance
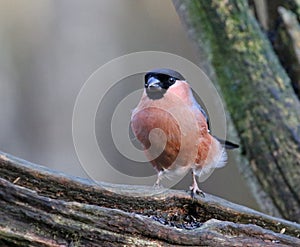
(257, 91)
(40, 207)
(287, 46)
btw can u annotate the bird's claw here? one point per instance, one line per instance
(196, 191)
(157, 186)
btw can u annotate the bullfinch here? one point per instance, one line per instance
(174, 129)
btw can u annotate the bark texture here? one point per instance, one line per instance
(280, 21)
(40, 207)
(287, 46)
(258, 95)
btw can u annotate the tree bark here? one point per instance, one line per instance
(258, 94)
(40, 207)
(279, 19)
(287, 46)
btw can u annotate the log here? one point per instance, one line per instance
(258, 94)
(42, 207)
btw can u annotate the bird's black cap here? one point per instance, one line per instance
(167, 72)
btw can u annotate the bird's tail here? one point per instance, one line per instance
(227, 144)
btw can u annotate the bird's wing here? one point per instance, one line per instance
(201, 107)
(225, 143)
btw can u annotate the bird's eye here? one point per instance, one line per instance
(172, 80)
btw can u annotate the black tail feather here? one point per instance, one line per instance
(227, 144)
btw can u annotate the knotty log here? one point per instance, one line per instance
(41, 207)
(258, 95)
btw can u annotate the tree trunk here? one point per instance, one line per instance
(288, 46)
(40, 207)
(279, 19)
(258, 94)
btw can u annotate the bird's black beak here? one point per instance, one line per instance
(153, 84)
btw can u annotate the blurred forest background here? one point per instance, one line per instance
(48, 50)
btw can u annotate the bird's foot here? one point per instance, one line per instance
(157, 186)
(194, 189)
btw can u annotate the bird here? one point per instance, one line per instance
(174, 131)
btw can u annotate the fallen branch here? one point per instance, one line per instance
(41, 207)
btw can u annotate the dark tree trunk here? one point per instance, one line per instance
(258, 94)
